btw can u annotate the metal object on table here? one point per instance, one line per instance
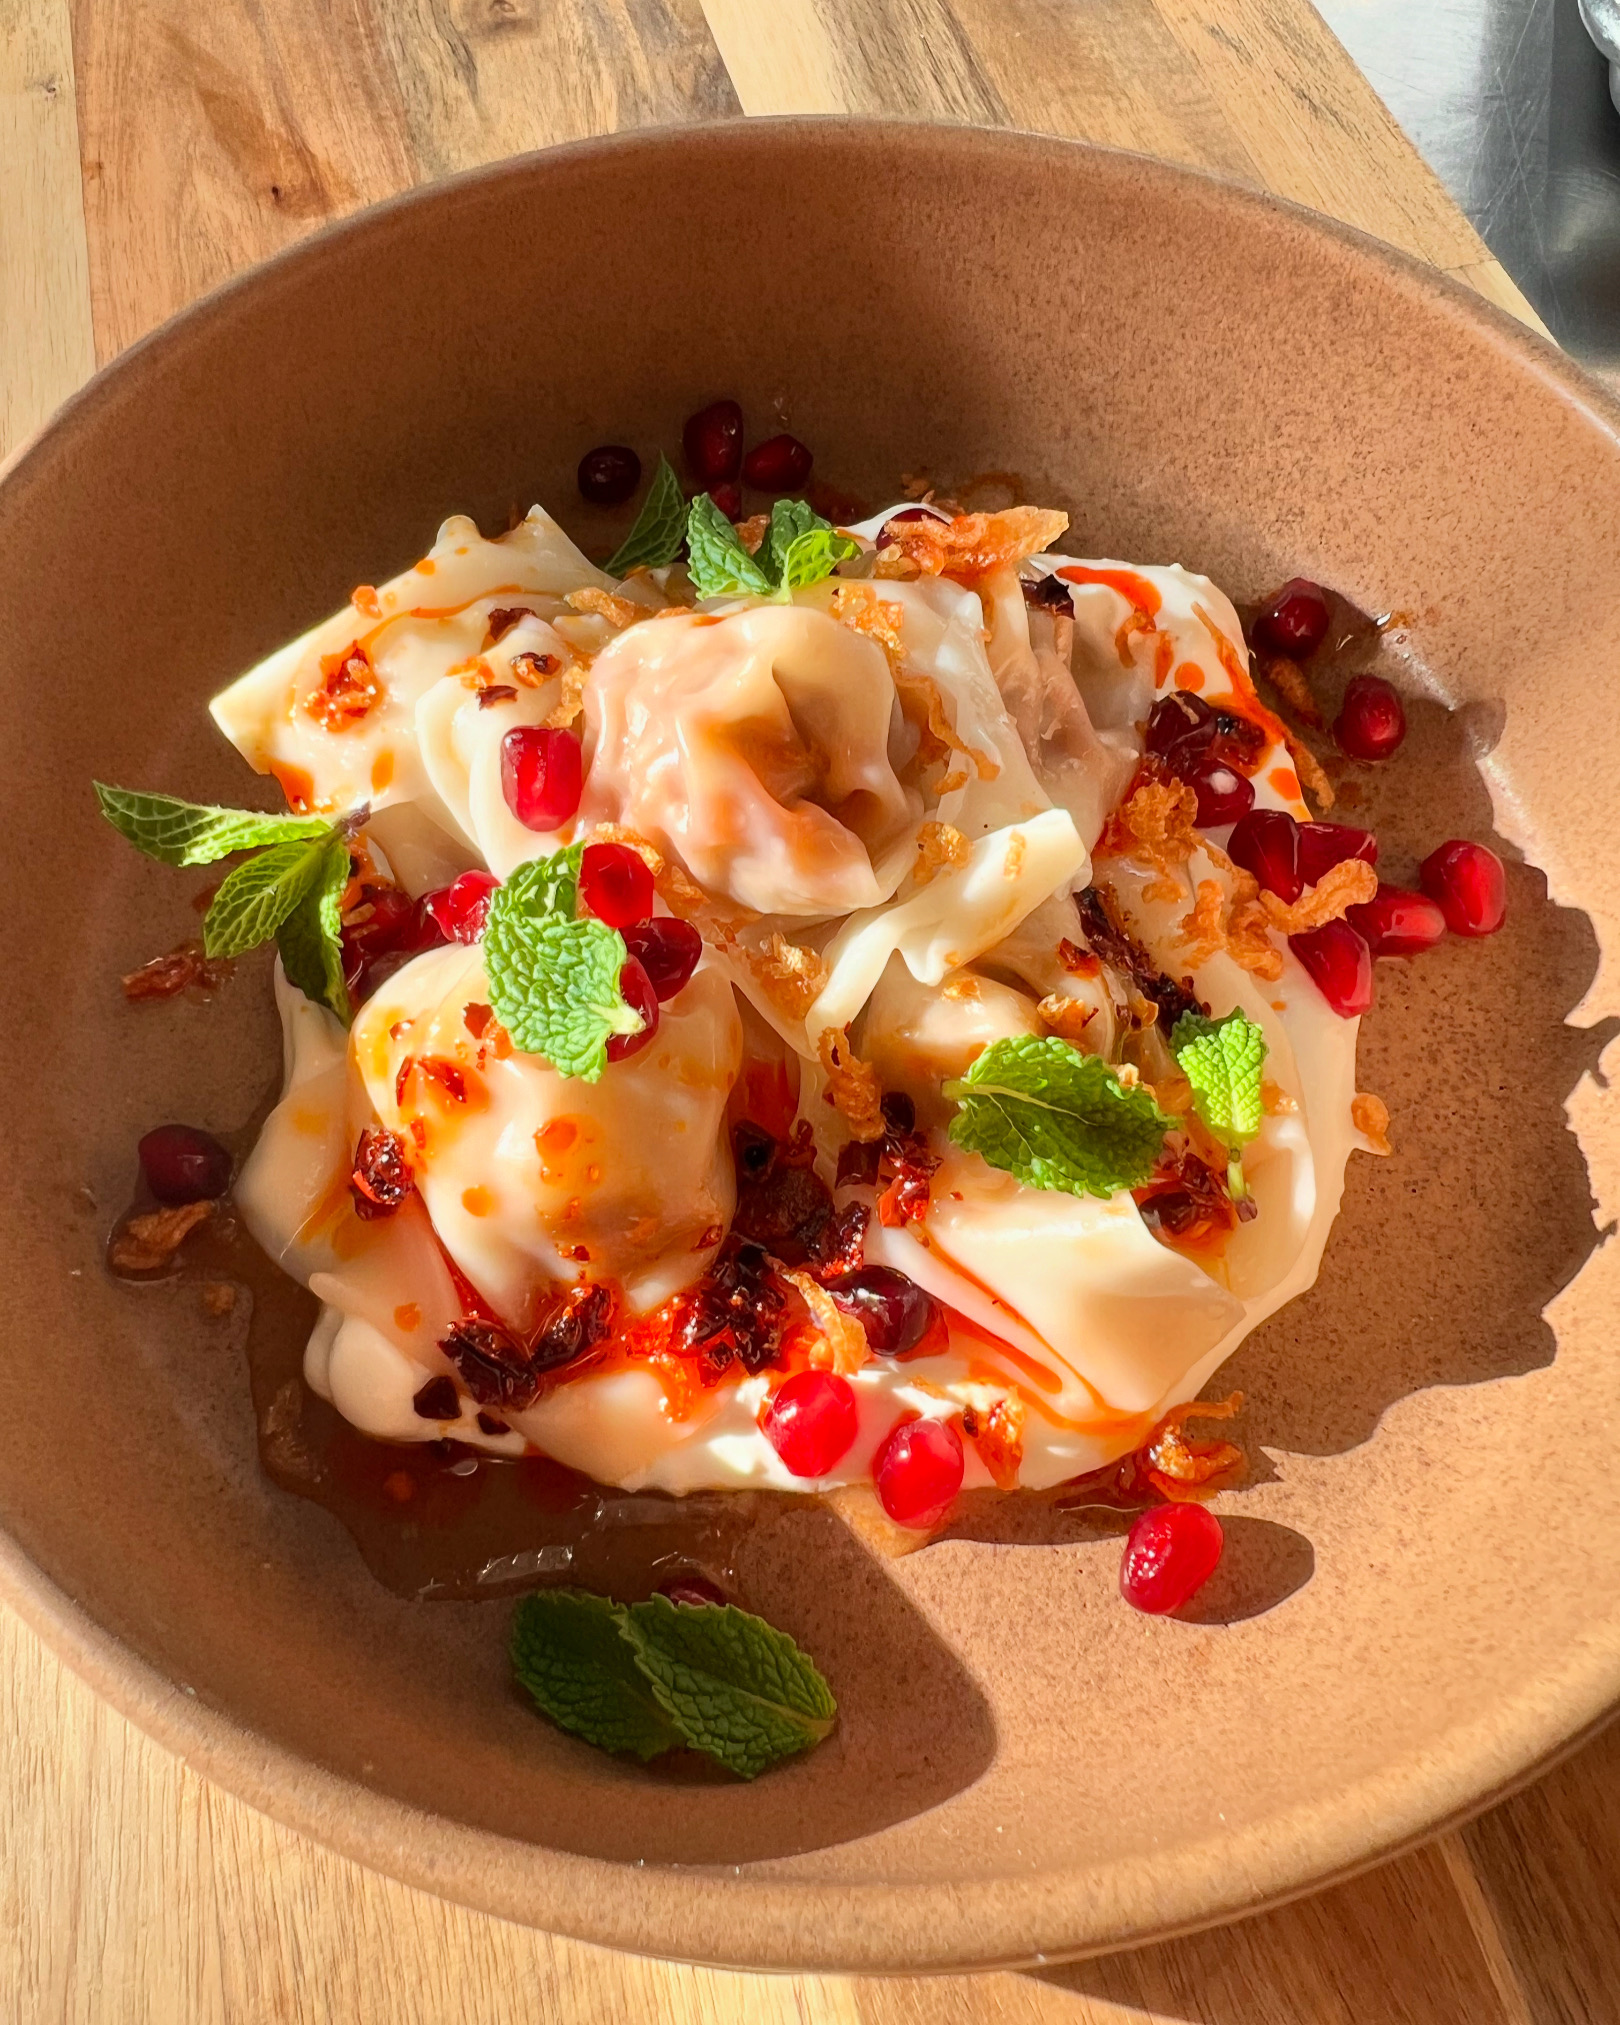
(1508, 101)
(1602, 18)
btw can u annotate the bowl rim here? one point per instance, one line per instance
(721, 1916)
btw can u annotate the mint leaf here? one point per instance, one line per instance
(800, 547)
(311, 937)
(195, 833)
(1056, 1118)
(732, 1684)
(554, 978)
(660, 526)
(716, 560)
(812, 556)
(259, 895)
(1223, 1060)
(569, 1651)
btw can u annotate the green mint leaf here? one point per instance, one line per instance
(194, 833)
(659, 530)
(554, 978)
(812, 556)
(569, 1651)
(311, 937)
(258, 896)
(732, 1684)
(1223, 1060)
(789, 519)
(1056, 1118)
(718, 563)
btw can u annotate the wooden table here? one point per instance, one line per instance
(149, 149)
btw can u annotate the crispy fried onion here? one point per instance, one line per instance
(1370, 1117)
(938, 845)
(791, 977)
(975, 543)
(840, 1343)
(147, 1243)
(571, 695)
(1066, 1017)
(1309, 769)
(852, 1084)
(1179, 1467)
(1350, 884)
(1156, 822)
(860, 608)
(607, 605)
(1204, 929)
(999, 1437)
(1246, 927)
(1288, 679)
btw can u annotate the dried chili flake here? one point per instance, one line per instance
(349, 689)
(501, 621)
(495, 1366)
(735, 1314)
(438, 1400)
(168, 976)
(495, 692)
(1122, 952)
(382, 1176)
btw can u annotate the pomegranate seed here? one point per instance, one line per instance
(667, 950)
(728, 498)
(919, 1472)
(1223, 795)
(396, 929)
(460, 909)
(812, 1421)
(182, 1164)
(691, 1587)
(636, 988)
(616, 884)
(609, 474)
(1266, 843)
(1294, 620)
(713, 441)
(1175, 717)
(1172, 1552)
(1398, 923)
(1340, 963)
(542, 775)
(890, 1306)
(1324, 845)
(1470, 886)
(779, 464)
(1371, 722)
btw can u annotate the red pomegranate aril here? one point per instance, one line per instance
(1266, 843)
(1469, 886)
(1324, 845)
(1371, 722)
(1175, 717)
(616, 884)
(1223, 794)
(812, 1421)
(460, 909)
(728, 498)
(609, 474)
(691, 1587)
(542, 776)
(1172, 1552)
(1340, 965)
(1294, 620)
(636, 987)
(183, 1164)
(713, 442)
(1398, 923)
(919, 1471)
(667, 950)
(890, 1306)
(779, 464)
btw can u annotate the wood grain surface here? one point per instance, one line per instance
(148, 150)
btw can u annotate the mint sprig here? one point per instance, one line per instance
(1223, 1060)
(1055, 1118)
(290, 890)
(647, 1677)
(799, 548)
(195, 833)
(659, 529)
(554, 975)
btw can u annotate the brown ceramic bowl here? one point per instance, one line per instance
(1024, 1766)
